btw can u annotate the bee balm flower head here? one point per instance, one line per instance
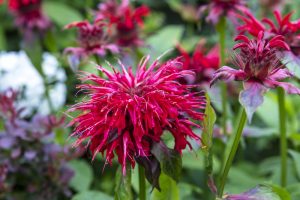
(123, 21)
(128, 112)
(29, 15)
(92, 40)
(219, 8)
(259, 69)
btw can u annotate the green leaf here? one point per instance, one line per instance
(165, 39)
(294, 190)
(61, 13)
(89, 195)
(169, 189)
(262, 192)
(170, 160)
(208, 125)
(2, 39)
(83, 175)
(281, 192)
(296, 158)
(123, 185)
(50, 42)
(34, 51)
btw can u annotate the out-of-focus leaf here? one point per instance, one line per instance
(270, 106)
(165, 39)
(261, 192)
(50, 42)
(244, 181)
(281, 192)
(187, 190)
(296, 158)
(89, 195)
(270, 168)
(34, 51)
(169, 189)
(194, 161)
(123, 185)
(61, 13)
(2, 39)
(83, 175)
(294, 191)
(170, 160)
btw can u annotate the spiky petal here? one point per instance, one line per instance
(128, 112)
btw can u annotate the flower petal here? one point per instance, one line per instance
(228, 74)
(252, 97)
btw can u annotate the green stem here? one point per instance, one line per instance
(142, 183)
(232, 153)
(283, 140)
(221, 29)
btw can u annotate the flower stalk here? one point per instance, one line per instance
(221, 29)
(282, 130)
(142, 183)
(232, 152)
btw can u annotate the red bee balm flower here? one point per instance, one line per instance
(260, 69)
(92, 41)
(29, 15)
(219, 8)
(127, 113)
(124, 19)
(202, 64)
(283, 26)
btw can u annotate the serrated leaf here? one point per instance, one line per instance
(88, 195)
(169, 189)
(83, 175)
(170, 160)
(61, 13)
(165, 39)
(123, 185)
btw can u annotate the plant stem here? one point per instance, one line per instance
(282, 129)
(232, 153)
(221, 29)
(142, 183)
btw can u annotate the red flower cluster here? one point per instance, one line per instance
(92, 40)
(219, 8)
(128, 113)
(283, 26)
(123, 21)
(259, 69)
(28, 15)
(202, 63)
